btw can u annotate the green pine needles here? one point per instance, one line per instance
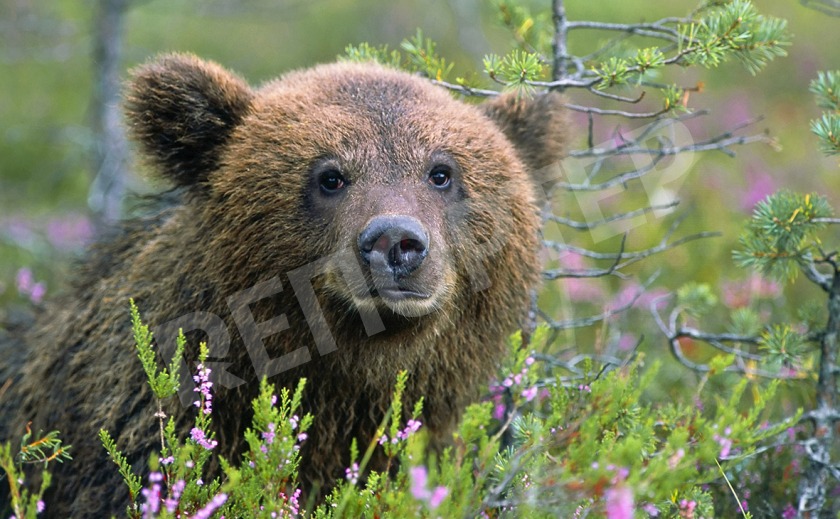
(826, 89)
(782, 236)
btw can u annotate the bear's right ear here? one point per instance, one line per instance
(181, 110)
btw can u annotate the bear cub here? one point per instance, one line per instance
(340, 223)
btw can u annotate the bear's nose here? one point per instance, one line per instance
(395, 244)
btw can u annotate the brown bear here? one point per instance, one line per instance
(340, 223)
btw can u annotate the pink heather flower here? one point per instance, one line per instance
(37, 293)
(294, 421)
(651, 510)
(24, 280)
(688, 506)
(173, 501)
(152, 494)
(529, 361)
(619, 502)
(211, 507)
(674, 460)
(530, 393)
(200, 438)
(268, 435)
(69, 232)
(204, 385)
(499, 411)
(438, 495)
(760, 185)
(419, 478)
(737, 294)
(352, 473)
(725, 445)
(40, 506)
(383, 439)
(789, 512)
(411, 427)
(302, 437)
(167, 460)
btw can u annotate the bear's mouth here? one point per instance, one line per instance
(401, 294)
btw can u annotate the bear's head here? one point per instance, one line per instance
(399, 196)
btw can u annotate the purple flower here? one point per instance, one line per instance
(438, 495)
(69, 232)
(529, 393)
(200, 438)
(760, 185)
(152, 494)
(789, 512)
(211, 507)
(40, 506)
(268, 435)
(619, 502)
(352, 473)
(203, 389)
(419, 479)
(27, 286)
(411, 427)
(688, 506)
(172, 501)
(499, 411)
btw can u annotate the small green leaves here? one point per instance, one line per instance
(826, 88)
(516, 69)
(827, 129)
(420, 56)
(745, 322)
(423, 57)
(613, 72)
(696, 298)
(781, 234)
(782, 344)
(531, 31)
(164, 383)
(735, 30)
(649, 58)
(131, 480)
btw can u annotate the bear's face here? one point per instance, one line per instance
(397, 195)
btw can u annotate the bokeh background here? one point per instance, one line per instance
(47, 143)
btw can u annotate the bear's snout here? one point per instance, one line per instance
(394, 244)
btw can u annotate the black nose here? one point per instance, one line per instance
(395, 244)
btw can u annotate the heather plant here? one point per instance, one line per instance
(38, 449)
(589, 447)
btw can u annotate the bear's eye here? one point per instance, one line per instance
(440, 177)
(331, 181)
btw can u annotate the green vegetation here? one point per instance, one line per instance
(579, 422)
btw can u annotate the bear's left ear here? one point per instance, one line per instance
(181, 110)
(537, 126)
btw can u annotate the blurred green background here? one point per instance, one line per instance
(45, 109)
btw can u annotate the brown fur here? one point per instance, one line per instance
(251, 210)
